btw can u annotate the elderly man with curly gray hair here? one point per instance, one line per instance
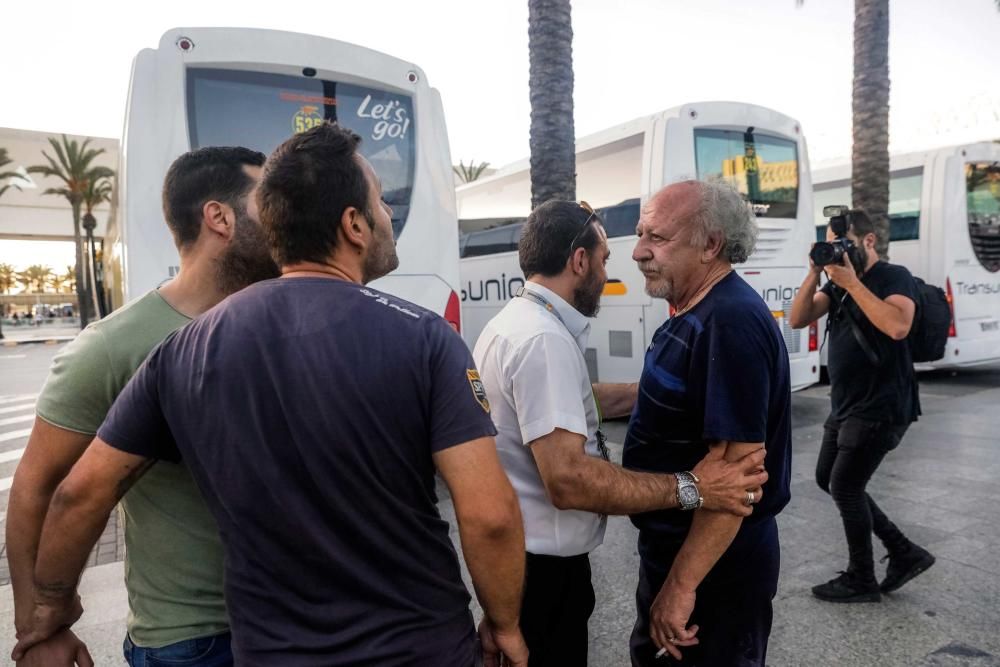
(715, 378)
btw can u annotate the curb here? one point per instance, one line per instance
(55, 340)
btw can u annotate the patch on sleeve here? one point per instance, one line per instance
(478, 388)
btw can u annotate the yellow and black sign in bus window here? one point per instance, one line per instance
(306, 118)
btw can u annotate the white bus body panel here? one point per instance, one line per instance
(636, 159)
(156, 132)
(943, 253)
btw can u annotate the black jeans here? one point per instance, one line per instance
(851, 452)
(733, 604)
(558, 600)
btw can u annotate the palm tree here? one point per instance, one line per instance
(870, 115)
(552, 137)
(35, 276)
(7, 175)
(98, 191)
(8, 278)
(74, 167)
(68, 279)
(467, 174)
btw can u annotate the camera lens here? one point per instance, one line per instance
(824, 253)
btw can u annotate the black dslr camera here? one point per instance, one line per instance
(832, 252)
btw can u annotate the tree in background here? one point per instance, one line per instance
(7, 176)
(68, 279)
(73, 165)
(552, 138)
(467, 174)
(870, 115)
(8, 278)
(97, 192)
(35, 278)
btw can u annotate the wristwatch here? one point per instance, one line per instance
(688, 496)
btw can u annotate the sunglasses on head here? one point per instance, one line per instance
(583, 228)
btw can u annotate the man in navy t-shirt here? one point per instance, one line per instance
(313, 413)
(715, 378)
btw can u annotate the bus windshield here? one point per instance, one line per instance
(982, 188)
(764, 169)
(260, 110)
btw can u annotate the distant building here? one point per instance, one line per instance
(30, 215)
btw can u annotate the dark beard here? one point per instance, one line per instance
(247, 260)
(587, 298)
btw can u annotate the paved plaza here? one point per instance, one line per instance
(939, 486)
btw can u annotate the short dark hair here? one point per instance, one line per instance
(309, 181)
(859, 221)
(546, 237)
(198, 176)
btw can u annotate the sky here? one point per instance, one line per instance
(66, 69)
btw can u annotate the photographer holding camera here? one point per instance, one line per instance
(873, 394)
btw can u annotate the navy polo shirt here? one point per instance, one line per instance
(308, 411)
(717, 372)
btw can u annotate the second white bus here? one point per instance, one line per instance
(759, 151)
(944, 213)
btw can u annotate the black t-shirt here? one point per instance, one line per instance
(886, 392)
(308, 411)
(718, 372)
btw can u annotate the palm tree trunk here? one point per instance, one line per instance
(870, 107)
(552, 137)
(81, 289)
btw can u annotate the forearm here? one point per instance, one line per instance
(616, 399)
(25, 517)
(495, 559)
(886, 317)
(802, 304)
(710, 535)
(72, 527)
(594, 485)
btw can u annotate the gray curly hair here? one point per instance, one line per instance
(724, 211)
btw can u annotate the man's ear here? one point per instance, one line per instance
(579, 261)
(352, 224)
(713, 247)
(219, 219)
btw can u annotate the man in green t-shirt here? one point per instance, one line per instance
(173, 558)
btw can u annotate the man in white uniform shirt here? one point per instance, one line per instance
(548, 416)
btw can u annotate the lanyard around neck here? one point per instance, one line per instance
(547, 305)
(543, 302)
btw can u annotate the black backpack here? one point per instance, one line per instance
(929, 333)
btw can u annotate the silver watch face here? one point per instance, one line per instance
(689, 496)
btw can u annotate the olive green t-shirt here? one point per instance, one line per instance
(173, 556)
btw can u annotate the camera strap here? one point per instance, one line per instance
(859, 335)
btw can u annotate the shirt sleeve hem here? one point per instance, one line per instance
(462, 437)
(550, 422)
(710, 436)
(66, 427)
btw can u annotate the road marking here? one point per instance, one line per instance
(17, 420)
(5, 483)
(14, 435)
(13, 356)
(30, 405)
(12, 455)
(17, 398)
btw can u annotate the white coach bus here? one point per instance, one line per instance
(944, 216)
(255, 88)
(759, 151)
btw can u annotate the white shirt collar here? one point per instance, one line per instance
(577, 325)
